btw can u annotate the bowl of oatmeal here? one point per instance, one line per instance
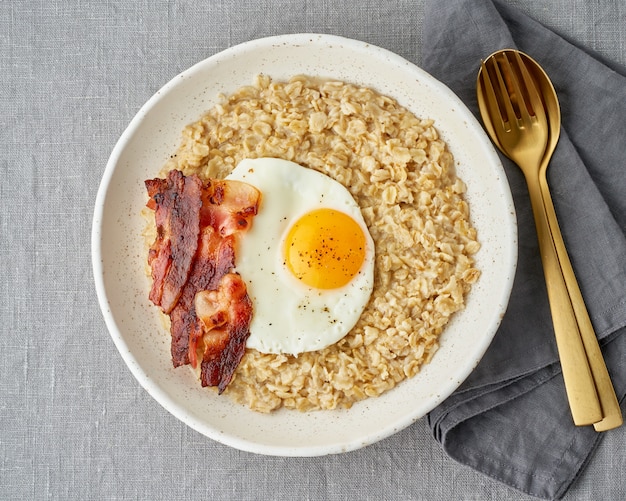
(431, 191)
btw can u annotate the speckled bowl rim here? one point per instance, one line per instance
(118, 260)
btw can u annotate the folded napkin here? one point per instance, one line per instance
(510, 419)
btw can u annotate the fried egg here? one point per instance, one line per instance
(308, 260)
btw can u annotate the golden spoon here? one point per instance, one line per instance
(606, 393)
(515, 117)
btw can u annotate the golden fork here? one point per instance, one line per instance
(514, 115)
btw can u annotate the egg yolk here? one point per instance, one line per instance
(325, 249)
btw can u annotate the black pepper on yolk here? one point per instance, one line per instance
(325, 249)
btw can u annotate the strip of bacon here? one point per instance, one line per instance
(215, 258)
(228, 206)
(225, 316)
(220, 211)
(176, 201)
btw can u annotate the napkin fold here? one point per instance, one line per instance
(510, 419)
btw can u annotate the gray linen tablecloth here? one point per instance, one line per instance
(74, 423)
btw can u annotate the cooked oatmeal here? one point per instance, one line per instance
(402, 176)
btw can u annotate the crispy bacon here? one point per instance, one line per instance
(229, 206)
(176, 201)
(225, 316)
(192, 261)
(215, 258)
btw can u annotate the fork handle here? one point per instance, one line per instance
(612, 414)
(579, 384)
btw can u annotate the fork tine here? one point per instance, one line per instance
(504, 92)
(532, 92)
(489, 92)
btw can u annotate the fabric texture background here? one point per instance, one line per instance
(518, 383)
(74, 423)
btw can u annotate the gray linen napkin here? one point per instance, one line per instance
(510, 419)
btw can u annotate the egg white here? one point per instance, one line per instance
(290, 317)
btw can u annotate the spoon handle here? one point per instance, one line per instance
(579, 383)
(612, 414)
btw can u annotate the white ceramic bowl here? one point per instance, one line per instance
(119, 257)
